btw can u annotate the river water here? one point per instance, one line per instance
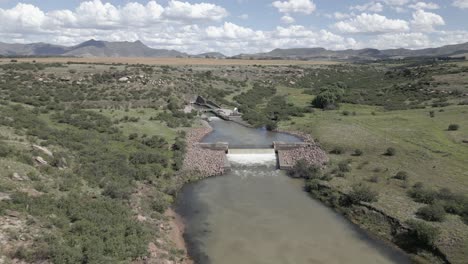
(256, 214)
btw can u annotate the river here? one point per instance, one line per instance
(256, 214)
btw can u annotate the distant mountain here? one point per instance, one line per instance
(42, 49)
(210, 55)
(362, 54)
(95, 48)
(90, 48)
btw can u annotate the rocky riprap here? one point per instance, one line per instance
(311, 153)
(207, 162)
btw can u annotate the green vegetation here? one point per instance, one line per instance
(433, 212)
(424, 234)
(77, 167)
(403, 144)
(453, 127)
(363, 193)
(302, 169)
(118, 147)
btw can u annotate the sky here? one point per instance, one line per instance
(238, 26)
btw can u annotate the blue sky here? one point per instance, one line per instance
(239, 26)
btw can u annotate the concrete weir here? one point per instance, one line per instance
(278, 150)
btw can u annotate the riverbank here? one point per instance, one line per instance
(206, 162)
(378, 223)
(176, 234)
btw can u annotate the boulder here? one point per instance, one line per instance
(16, 176)
(43, 150)
(40, 160)
(123, 79)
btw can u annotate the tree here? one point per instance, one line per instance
(423, 233)
(328, 98)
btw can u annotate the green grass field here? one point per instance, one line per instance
(144, 125)
(425, 149)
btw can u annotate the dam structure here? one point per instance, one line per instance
(277, 151)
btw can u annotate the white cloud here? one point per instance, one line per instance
(372, 23)
(231, 31)
(341, 16)
(400, 40)
(287, 19)
(21, 18)
(424, 5)
(426, 21)
(200, 11)
(396, 2)
(295, 6)
(196, 28)
(371, 7)
(460, 4)
(244, 16)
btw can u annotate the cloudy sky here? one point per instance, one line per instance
(238, 26)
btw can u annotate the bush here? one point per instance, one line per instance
(344, 166)
(453, 127)
(422, 195)
(374, 179)
(337, 151)
(401, 175)
(363, 193)
(312, 185)
(390, 152)
(423, 233)
(358, 152)
(4, 150)
(302, 169)
(433, 213)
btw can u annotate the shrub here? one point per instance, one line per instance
(337, 151)
(390, 152)
(312, 185)
(363, 193)
(401, 175)
(431, 113)
(344, 166)
(345, 113)
(374, 179)
(453, 127)
(433, 213)
(358, 152)
(423, 233)
(4, 150)
(422, 195)
(302, 169)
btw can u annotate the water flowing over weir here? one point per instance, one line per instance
(256, 214)
(238, 157)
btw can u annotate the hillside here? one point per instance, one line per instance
(90, 48)
(95, 48)
(362, 54)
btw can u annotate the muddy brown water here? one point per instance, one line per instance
(256, 214)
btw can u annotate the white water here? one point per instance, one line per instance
(252, 156)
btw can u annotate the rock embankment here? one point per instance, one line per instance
(312, 153)
(207, 162)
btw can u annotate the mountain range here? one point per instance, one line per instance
(94, 48)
